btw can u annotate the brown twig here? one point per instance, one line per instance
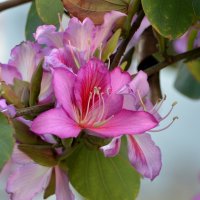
(121, 49)
(12, 3)
(193, 54)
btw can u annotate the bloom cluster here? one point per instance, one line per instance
(88, 100)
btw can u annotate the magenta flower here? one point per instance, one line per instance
(27, 179)
(143, 154)
(24, 60)
(77, 44)
(90, 101)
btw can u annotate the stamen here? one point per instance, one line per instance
(109, 63)
(160, 104)
(88, 106)
(103, 107)
(73, 55)
(100, 51)
(141, 101)
(172, 106)
(98, 124)
(154, 131)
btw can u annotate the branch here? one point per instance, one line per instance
(12, 3)
(121, 49)
(195, 53)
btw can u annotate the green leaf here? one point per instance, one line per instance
(36, 84)
(42, 155)
(6, 140)
(7, 92)
(24, 135)
(21, 88)
(111, 45)
(187, 84)
(100, 178)
(194, 67)
(50, 190)
(48, 10)
(33, 21)
(170, 18)
(196, 7)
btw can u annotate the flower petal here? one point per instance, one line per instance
(26, 57)
(57, 122)
(63, 191)
(27, 181)
(8, 73)
(93, 75)
(63, 82)
(46, 92)
(48, 35)
(119, 79)
(113, 148)
(126, 122)
(144, 155)
(83, 32)
(103, 32)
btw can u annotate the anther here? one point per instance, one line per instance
(166, 127)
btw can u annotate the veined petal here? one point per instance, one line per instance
(27, 181)
(46, 92)
(8, 73)
(126, 122)
(113, 148)
(119, 79)
(93, 75)
(26, 57)
(56, 122)
(144, 155)
(79, 34)
(63, 191)
(63, 82)
(103, 32)
(48, 35)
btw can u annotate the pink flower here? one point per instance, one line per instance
(78, 43)
(26, 178)
(24, 60)
(143, 154)
(91, 101)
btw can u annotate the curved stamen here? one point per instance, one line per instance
(101, 123)
(154, 131)
(73, 55)
(141, 101)
(160, 104)
(172, 107)
(103, 107)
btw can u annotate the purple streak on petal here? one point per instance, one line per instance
(119, 79)
(104, 31)
(93, 74)
(126, 122)
(56, 122)
(26, 57)
(48, 35)
(63, 82)
(144, 155)
(8, 73)
(113, 148)
(63, 191)
(27, 181)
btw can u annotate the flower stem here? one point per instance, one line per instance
(192, 54)
(10, 4)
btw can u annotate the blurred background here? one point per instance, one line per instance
(180, 144)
